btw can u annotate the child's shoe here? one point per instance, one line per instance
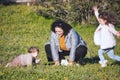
(104, 63)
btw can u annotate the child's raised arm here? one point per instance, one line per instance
(95, 9)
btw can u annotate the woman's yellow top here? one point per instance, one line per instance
(62, 43)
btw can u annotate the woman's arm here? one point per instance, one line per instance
(54, 51)
(74, 41)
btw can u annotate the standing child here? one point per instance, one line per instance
(25, 59)
(104, 35)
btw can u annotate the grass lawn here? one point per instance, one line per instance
(21, 27)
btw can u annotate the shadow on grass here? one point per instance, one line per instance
(7, 3)
(116, 63)
(96, 59)
(49, 63)
(92, 60)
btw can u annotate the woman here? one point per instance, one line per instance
(64, 40)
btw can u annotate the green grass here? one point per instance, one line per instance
(21, 27)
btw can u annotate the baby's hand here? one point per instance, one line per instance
(37, 60)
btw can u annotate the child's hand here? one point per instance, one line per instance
(95, 8)
(118, 34)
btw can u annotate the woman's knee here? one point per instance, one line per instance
(48, 52)
(81, 50)
(47, 47)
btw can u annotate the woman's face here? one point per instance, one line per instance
(59, 31)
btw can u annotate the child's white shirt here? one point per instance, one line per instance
(107, 36)
(107, 32)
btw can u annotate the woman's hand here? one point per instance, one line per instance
(57, 63)
(70, 63)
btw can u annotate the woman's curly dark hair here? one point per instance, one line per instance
(109, 16)
(61, 24)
